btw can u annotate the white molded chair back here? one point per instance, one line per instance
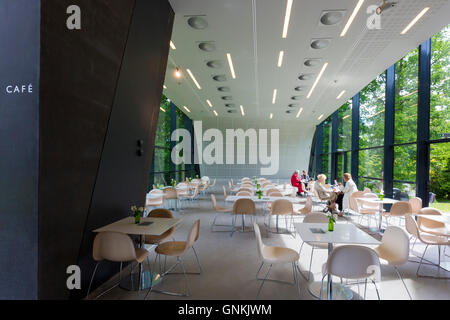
(281, 207)
(156, 191)
(259, 242)
(395, 244)
(416, 204)
(113, 246)
(400, 208)
(353, 262)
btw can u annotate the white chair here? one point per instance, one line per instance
(190, 197)
(219, 211)
(394, 249)
(274, 255)
(314, 217)
(429, 240)
(354, 263)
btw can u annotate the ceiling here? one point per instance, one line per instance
(251, 32)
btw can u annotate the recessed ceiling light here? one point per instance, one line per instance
(163, 110)
(280, 59)
(242, 111)
(352, 17)
(193, 79)
(274, 97)
(271, 115)
(172, 45)
(186, 108)
(317, 80)
(215, 113)
(178, 73)
(299, 112)
(414, 21)
(230, 63)
(321, 116)
(209, 103)
(340, 95)
(287, 17)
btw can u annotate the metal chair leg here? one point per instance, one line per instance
(404, 284)
(260, 287)
(92, 278)
(376, 288)
(185, 277)
(198, 261)
(310, 263)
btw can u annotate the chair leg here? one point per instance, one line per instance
(92, 278)
(417, 272)
(376, 288)
(257, 273)
(404, 284)
(310, 263)
(365, 288)
(262, 283)
(185, 277)
(198, 261)
(296, 279)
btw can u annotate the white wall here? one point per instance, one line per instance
(294, 148)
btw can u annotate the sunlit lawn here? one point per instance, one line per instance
(442, 205)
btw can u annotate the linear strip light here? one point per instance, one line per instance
(287, 18)
(172, 45)
(209, 103)
(340, 95)
(215, 113)
(163, 110)
(193, 79)
(230, 63)
(352, 17)
(414, 21)
(271, 115)
(317, 80)
(186, 108)
(280, 59)
(321, 116)
(242, 111)
(299, 112)
(274, 98)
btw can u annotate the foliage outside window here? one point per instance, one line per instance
(345, 127)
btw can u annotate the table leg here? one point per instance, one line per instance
(243, 223)
(329, 280)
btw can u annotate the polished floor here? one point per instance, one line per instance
(230, 265)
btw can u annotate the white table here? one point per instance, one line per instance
(344, 233)
(265, 199)
(380, 203)
(127, 226)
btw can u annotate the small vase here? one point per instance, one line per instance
(137, 219)
(259, 195)
(330, 226)
(381, 197)
(257, 186)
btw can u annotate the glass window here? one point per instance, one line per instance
(440, 85)
(406, 97)
(372, 100)
(345, 127)
(373, 184)
(405, 163)
(371, 163)
(440, 175)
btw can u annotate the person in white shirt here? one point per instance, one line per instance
(350, 187)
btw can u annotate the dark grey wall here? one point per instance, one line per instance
(123, 175)
(100, 92)
(19, 114)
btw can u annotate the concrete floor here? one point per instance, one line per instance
(230, 265)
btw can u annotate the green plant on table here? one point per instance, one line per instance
(259, 193)
(137, 212)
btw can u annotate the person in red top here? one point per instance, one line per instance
(296, 182)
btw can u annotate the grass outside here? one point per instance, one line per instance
(441, 205)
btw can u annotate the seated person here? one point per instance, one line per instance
(322, 191)
(347, 190)
(304, 177)
(295, 182)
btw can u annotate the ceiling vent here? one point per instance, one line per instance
(293, 105)
(215, 64)
(305, 77)
(224, 89)
(227, 98)
(230, 105)
(197, 23)
(220, 78)
(319, 44)
(208, 46)
(312, 62)
(331, 17)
